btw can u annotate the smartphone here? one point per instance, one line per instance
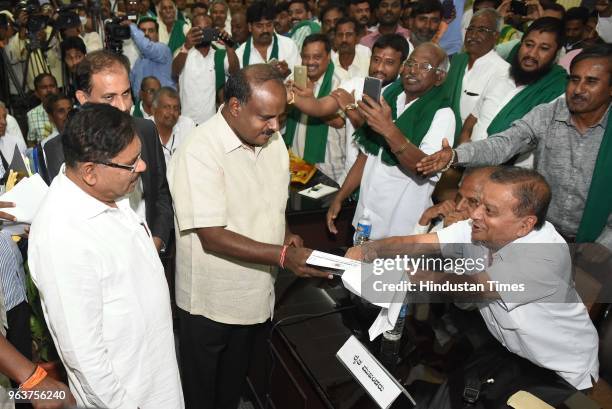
(372, 87)
(299, 76)
(448, 7)
(518, 7)
(210, 34)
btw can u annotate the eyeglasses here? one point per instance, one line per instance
(420, 66)
(479, 30)
(131, 168)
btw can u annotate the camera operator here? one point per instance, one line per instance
(201, 71)
(155, 57)
(24, 48)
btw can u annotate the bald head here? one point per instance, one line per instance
(470, 190)
(438, 53)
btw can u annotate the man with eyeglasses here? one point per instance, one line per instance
(533, 79)
(102, 77)
(410, 120)
(102, 284)
(144, 108)
(479, 65)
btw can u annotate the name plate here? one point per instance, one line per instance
(372, 376)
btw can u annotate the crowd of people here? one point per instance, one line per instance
(163, 129)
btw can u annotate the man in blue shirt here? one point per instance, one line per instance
(155, 57)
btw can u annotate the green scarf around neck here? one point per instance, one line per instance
(177, 37)
(137, 111)
(454, 87)
(413, 123)
(246, 57)
(599, 200)
(219, 60)
(542, 91)
(316, 129)
(314, 27)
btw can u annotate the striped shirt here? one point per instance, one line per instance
(12, 275)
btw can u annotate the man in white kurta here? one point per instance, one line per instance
(102, 285)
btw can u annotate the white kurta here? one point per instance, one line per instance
(486, 69)
(535, 324)
(287, 51)
(105, 299)
(360, 66)
(197, 86)
(396, 198)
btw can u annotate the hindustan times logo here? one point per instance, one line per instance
(412, 264)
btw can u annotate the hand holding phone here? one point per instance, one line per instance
(372, 87)
(299, 76)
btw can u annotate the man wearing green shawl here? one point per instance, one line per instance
(572, 140)
(303, 26)
(310, 138)
(172, 30)
(410, 121)
(264, 45)
(533, 79)
(472, 70)
(201, 71)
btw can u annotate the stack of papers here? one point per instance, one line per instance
(27, 195)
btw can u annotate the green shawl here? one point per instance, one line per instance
(314, 27)
(219, 60)
(246, 57)
(454, 87)
(513, 52)
(137, 111)
(543, 91)
(177, 37)
(413, 123)
(599, 200)
(316, 129)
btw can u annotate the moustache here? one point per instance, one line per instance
(525, 59)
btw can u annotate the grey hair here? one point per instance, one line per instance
(444, 65)
(165, 91)
(219, 2)
(2, 105)
(489, 12)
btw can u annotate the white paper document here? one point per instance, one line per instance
(331, 261)
(27, 195)
(318, 191)
(359, 280)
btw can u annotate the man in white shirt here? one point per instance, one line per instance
(546, 322)
(201, 71)
(480, 65)
(527, 69)
(390, 190)
(350, 58)
(172, 127)
(229, 181)
(264, 45)
(102, 285)
(8, 141)
(172, 30)
(144, 107)
(319, 141)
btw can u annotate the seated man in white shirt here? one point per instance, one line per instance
(264, 45)
(467, 199)
(172, 127)
(350, 58)
(390, 190)
(8, 141)
(544, 319)
(102, 285)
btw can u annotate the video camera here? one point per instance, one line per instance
(115, 33)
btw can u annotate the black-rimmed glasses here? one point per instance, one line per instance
(131, 168)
